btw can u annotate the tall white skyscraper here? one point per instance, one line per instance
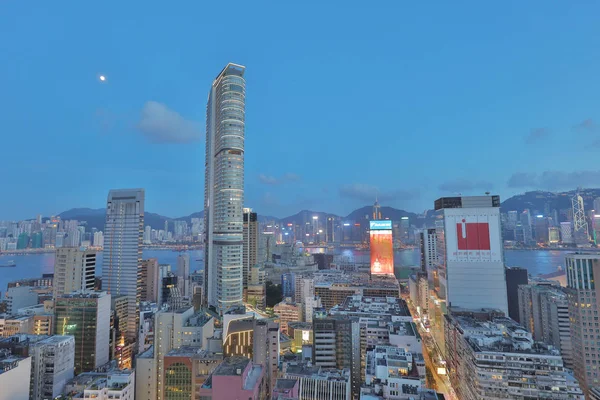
(474, 256)
(224, 189)
(123, 236)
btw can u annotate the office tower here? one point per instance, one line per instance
(337, 345)
(376, 211)
(250, 245)
(540, 227)
(474, 255)
(15, 374)
(580, 226)
(183, 272)
(123, 250)
(20, 297)
(74, 270)
(235, 378)
(515, 276)
(583, 313)
(287, 311)
(382, 247)
(174, 329)
(52, 366)
(544, 311)
(499, 359)
(288, 285)
(429, 254)
(526, 226)
(150, 281)
(86, 316)
(224, 189)
(566, 232)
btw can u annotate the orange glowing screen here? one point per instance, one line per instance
(382, 252)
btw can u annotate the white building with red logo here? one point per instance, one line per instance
(474, 257)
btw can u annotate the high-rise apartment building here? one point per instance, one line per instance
(74, 270)
(52, 366)
(429, 253)
(183, 272)
(224, 189)
(515, 276)
(544, 311)
(150, 280)
(123, 236)
(250, 245)
(474, 255)
(86, 316)
(583, 312)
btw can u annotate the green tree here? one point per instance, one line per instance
(274, 294)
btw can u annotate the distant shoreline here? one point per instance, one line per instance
(25, 252)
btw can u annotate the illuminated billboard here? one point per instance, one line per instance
(473, 235)
(382, 248)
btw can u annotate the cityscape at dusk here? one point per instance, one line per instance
(311, 201)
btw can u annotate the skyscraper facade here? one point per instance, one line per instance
(74, 269)
(583, 314)
(123, 236)
(250, 245)
(224, 189)
(474, 256)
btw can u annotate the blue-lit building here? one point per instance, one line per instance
(288, 284)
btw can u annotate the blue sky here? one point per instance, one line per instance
(344, 99)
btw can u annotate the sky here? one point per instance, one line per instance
(345, 101)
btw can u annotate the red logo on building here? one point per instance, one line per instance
(473, 235)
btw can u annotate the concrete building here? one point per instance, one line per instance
(183, 272)
(174, 329)
(250, 249)
(150, 281)
(318, 383)
(288, 389)
(301, 334)
(515, 276)
(224, 190)
(391, 373)
(15, 374)
(287, 311)
(235, 378)
(288, 285)
(74, 270)
(428, 247)
(86, 316)
(52, 366)
(337, 345)
(256, 292)
(544, 311)
(499, 359)
(123, 237)
(566, 232)
(114, 384)
(583, 299)
(266, 349)
(20, 297)
(473, 245)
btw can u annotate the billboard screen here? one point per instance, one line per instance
(382, 248)
(380, 225)
(473, 234)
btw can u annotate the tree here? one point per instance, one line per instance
(274, 294)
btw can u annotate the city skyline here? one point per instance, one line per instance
(479, 112)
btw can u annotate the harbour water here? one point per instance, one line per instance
(537, 262)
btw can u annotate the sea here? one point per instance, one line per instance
(537, 262)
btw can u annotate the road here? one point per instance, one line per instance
(432, 350)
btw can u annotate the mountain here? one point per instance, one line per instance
(538, 202)
(541, 202)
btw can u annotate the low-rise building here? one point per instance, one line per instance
(288, 311)
(392, 372)
(114, 384)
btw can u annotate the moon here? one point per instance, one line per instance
(102, 78)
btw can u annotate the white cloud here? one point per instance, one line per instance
(162, 125)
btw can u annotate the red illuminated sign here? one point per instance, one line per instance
(382, 252)
(473, 235)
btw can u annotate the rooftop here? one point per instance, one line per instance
(373, 306)
(231, 365)
(283, 383)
